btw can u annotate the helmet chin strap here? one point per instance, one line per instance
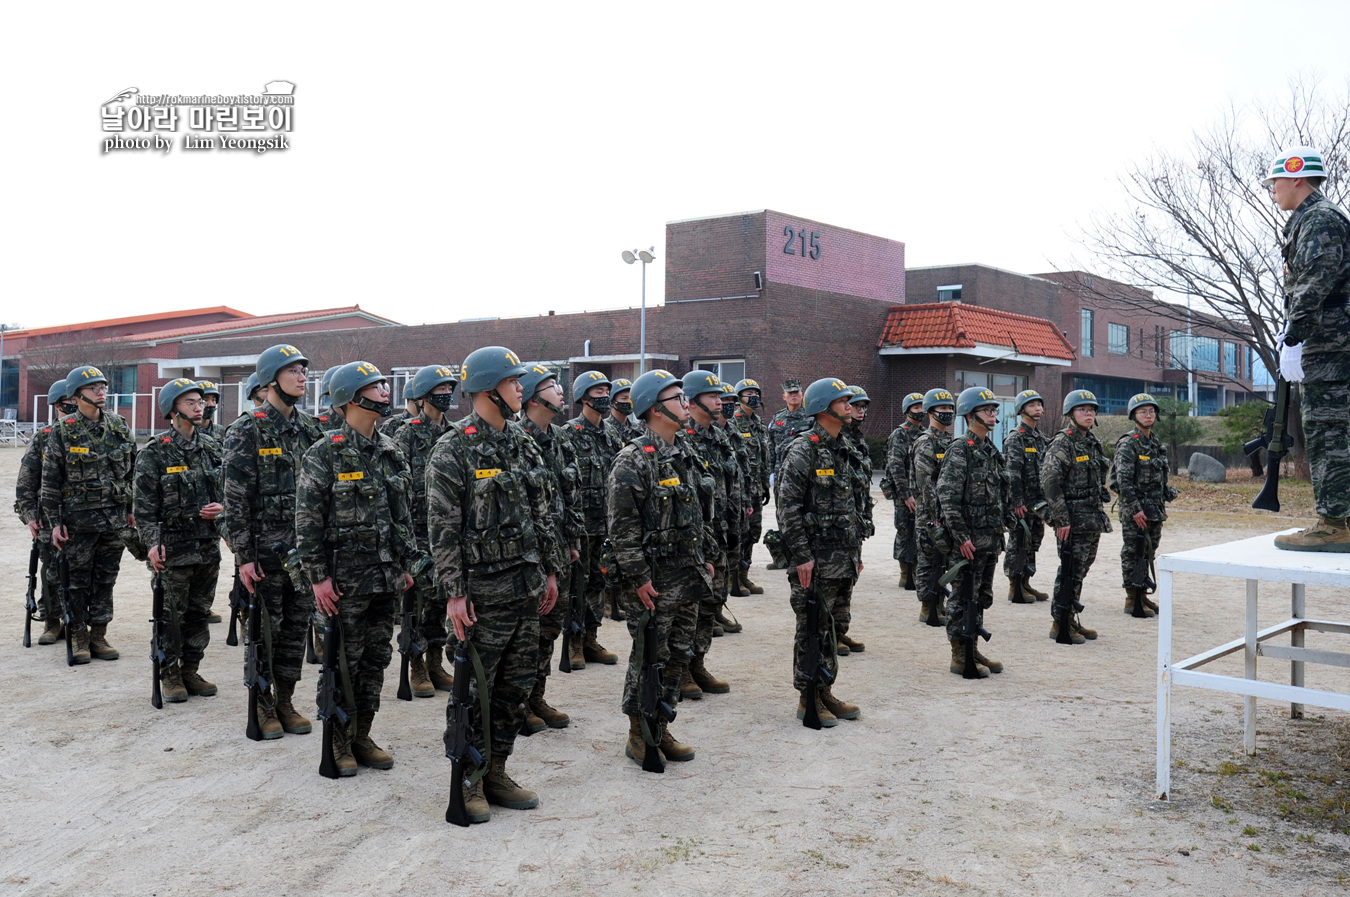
(839, 417)
(286, 397)
(505, 409)
(80, 397)
(679, 422)
(191, 421)
(556, 409)
(383, 409)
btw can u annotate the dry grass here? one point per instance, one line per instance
(1236, 495)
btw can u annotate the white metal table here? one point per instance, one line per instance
(1255, 560)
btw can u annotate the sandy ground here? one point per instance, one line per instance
(1037, 781)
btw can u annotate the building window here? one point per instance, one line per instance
(999, 384)
(1230, 357)
(1250, 353)
(1118, 339)
(949, 293)
(1087, 333)
(728, 370)
(123, 380)
(9, 384)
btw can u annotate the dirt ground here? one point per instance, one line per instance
(1036, 781)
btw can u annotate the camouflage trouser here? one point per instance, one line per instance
(189, 591)
(750, 533)
(49, 602)
(828, 592)
(551, 624)
(1037, 527)
(1128, 531)
(367, 642)
(595, 580)
(680, 591)
(984, 565)
(431, 625)
(929, 569)
(94, 559)
(709, 603)
(290, 613)
(843, 611)
(507, 638)
(1326, 427)
(1084, 553)
(904, 531)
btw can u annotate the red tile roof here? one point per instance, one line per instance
(252, 322)
(137, 319)
(959, 326)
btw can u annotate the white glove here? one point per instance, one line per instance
(1279, 334)
(1291, 363)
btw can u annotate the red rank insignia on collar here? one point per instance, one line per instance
(815, 438)
(471, 429)
(166, 439)
(415, 420)
(970, 442)
(649, 448)
(338, 437)
(70, 420)
(260, 414)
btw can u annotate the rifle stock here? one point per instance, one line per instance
(970, 622)
(238, 601)
(156, 640)
(574, 619)
(459, 738)
(30, 599)
(655, 709)
(1277, 442)
(67, 604)
(408, 645)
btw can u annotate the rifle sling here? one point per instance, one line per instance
(640, 650)
(485, 710)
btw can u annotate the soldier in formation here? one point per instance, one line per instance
(1139, 474)
(933, 543)
(896, 485)
(28, 505)
(211, 395)
(1024, 448)
(595, 445)
(860, 466)
(624, 428)
(748, 426)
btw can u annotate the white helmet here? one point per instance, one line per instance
(1296, 162)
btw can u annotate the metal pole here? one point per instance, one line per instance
(1190, 363)
(642, 333)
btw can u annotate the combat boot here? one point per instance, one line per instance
(79, 645)
(772, 565)
(717, 630)
(734, 587)
(574, 653)
(1135, 597)
(594, 652)
(906, 575)
(500, 788)
(840, 709)
(840, 649)
(195, 684)
(728, 624)
(1082, 630)
(213, 617)
(1330, 534)
(52, 632)
(706, 681)
(1031, 590)
(1027, 596)
(475, 804)
(688, 687)
(543, 710)
(748, 585)
(925, 611)
(958, 664)
(673, 750)
(267, 718)
(850, 643)
(364, 748)
(419, 679)
(827, 719)
(533, 723)
(442, 680)
(636, 746)
(171, 684)
(291, 721)
(98, 643)
(1074, 637)
(994, 666)
(343, 757)
(1149, 605)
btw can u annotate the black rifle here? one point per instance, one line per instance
(574, 620)
(813, 659)
(459, 738)
(255, 678)
(1140, 579)
(408, 645)
(156, 640)
(311, 656)
(332, 709)
(1022, 566)
(1277, 442)
(238, 608)
(68, 603)
(30, 600)
(970, 621)
(1066, 600)
(909, 549)
(609, 569)
(656, 711)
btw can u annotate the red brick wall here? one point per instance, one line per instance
(845, 261)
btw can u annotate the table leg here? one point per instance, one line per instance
(1249, 672)
(1163, 780)
(1298, 611)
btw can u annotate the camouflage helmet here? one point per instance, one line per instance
(620, 384)
(973, 399)
(937, 396)
(56, 392)
(822, 393)
(647, 387)
(747, 383)
(1025, 397)
(587, 382)
(350, 379)
(729, 398)
(208, 388)
(1139, 401)
(85, 375)
(859, 395)
(1079, 397)
(914, 398)
(427, 379)
(535, 376)
(274, 359)
(698, 383)
(251, 385)
(174, 390)
(488, 366)
(325, 386)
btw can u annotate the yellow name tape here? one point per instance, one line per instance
(79, 451)
(1081, 458)
(940, 455)
(271, 451)
(356, 475)
(180, 469)
(673, 481)
(487, 473)
(1145, 458)
(1029, 449)
(827, 472)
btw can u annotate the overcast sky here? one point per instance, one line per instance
(454, 160)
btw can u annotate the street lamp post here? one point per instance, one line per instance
(646, 256)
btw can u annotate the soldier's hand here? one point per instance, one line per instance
(157, 557)
(1020, 510)
(766, 498)
(59, 535)
(804, 572)
(459, 610)
(712, 571)
(967, 550)
(408, 582)
(131, 521)
(326, 594)
(34, 528)
(1061, 533)
(647, 595)
(911, 504)
(249, 574)
(211, 511)
(1141, 520)
(550, 595)
(575, 556)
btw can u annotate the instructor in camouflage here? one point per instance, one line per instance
(1023, 448)
(28, 505)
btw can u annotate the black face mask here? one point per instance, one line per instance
(945, 417)
(66, 408)
(728, 410)
(624, 408)
(383, 409)
(208, 412)
(600, 404)
(918, 417)
(441, 401)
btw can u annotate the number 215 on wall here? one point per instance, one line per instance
(799, 235)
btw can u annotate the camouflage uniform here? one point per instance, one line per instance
(1141, 472)
(620, 434)
(818, 517)
(594, 449)
(929, 451)
(28, 505)
(1023, 449)
(259, 467)
(1317, 289)
(415, 437)
(492, 540)
(1073, 479)
(566, 521)
(717, 455)
(176, 476)
(860, 475)
(754, 436)
(782, 428)
(352, 510)
(974, 495)
(660, 521)
(86, 487)
(896, 485)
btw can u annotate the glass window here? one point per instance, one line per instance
(9, 384)
(968, 379)
(1086, 346)
(1118, 339)
(123, 380)
(1230, 357)
(949, 293)
(728, 370)
(1007, 384)
(1205, 354)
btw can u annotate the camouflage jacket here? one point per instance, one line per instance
(754, 435)
(595, 448)
(974, 492)
(28, 485)
(817, 508)
(1140, 475)
(560, 462)
(896, 483)
(86, 473)
(929, 451)
(414, 438)
(1073, 479)
(659, 511)
(260, 464)
(175, 478)
(1024, 450)
(861, 465)
(623, 433)
(715, 451)
(782, 428)
(1317, 286)
(487, 504)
